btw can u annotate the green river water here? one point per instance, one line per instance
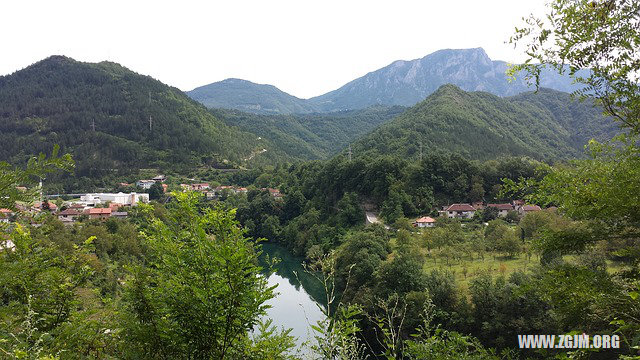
(296, 305)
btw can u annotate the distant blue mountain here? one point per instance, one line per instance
(402, 83)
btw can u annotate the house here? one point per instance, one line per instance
(503, 209)
(69, 215)
(461, 211)
(425, 221)
(43, 206)
(114, 206)
(98, 213)
(241, 190)
(275, 193)
(164, 188)
(199, 187)
(145, 184)
(159, 178)
(5, 215)
(526, 209)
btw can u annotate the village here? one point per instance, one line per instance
(104, 205)
(515, 208)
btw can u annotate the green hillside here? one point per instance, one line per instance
(478, 125)
(251, 97)
(101, 113)
(311, 136)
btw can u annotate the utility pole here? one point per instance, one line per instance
(150, 122)
(93, 125)
(349, 152)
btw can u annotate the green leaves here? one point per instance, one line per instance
(202, 291)
(601, 36)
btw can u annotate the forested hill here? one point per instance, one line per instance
(478, 125)
(311, 136)
(100, 113)
(247, 96)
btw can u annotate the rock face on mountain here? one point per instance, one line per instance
(247, 96)
(402, 83)
(408, 82)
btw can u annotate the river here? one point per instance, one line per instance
(296, 305)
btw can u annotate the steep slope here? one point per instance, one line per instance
(247, 96)
(101, 114)
(408, 82)
(479, 125)
(311, 136)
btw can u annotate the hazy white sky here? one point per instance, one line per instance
(304, 47)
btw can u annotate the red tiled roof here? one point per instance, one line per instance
(501, 206)
(426, 219)
(460, 207)
(6, 211)
(52, 206)
(98, 211)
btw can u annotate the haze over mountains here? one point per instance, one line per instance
(402, 83)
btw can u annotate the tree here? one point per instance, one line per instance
(156, 191)
(202, 291)
(601, 36)
(477, 189)
(37, 168)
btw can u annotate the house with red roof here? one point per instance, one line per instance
(526, 209)
(459, 211)
(69, 215)
(98, 213)
(5, 215)
(425, 221)
(503, 209)
(43, 206)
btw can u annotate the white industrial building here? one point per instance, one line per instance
(131, 199)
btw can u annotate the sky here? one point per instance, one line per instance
(304, 47)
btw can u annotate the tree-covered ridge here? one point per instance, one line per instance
(247, 96)
(311, 136)
(109, 118)
(480, 125)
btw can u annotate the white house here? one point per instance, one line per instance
(462, 211)
(425, 221)
(525, 209)
(145, 184)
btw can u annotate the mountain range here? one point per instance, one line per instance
(403, 83)
(115, 122)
